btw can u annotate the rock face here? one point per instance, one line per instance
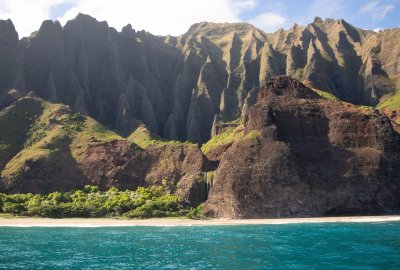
(177, 167)
(10, 65)
(304, 155)
(176, 85)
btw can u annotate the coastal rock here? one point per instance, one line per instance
(304, 155)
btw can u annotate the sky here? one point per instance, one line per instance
(174, 17)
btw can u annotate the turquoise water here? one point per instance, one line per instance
(294, 246)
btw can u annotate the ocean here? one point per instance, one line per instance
(290, 246)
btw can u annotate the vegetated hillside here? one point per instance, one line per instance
(303, 153)
(45, 147)
(297, 152)
(176, 85)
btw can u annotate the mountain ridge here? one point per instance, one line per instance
(176, 85)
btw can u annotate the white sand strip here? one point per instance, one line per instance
(109, 222)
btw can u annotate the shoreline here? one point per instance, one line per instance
(173, 222)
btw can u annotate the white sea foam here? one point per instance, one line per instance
(109, 222)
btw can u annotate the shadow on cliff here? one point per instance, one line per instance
(57, 171)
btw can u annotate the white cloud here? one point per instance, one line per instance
(269, 21)
(376, 9)
(240, 6)
(27, 15)
(158, 17)
(377, 29)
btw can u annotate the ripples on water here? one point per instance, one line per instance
(294, 246)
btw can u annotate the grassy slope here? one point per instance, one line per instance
(390, 103)
(227, 137)
(15, 123)
(145, 139)
(325, 95)
(36, 129)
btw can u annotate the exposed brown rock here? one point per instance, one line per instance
(394, 115)
(304, 155)
(177, 167)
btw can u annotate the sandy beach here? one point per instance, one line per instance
(110, 222)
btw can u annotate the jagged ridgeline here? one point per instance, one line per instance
(176, 85)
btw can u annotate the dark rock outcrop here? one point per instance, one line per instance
(177, 167)
(304, 155)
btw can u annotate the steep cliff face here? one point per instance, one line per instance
(45, 147)
(176, 85)
(10, 65)
(117, 78)
(305, 155)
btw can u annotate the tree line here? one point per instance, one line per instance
(91, 202)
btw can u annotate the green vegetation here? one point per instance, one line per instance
(365, 108)
(391, 103)
(326, 95)
(299, 74)
(197, 213)
(227, 137)
(90, 202)
(37, 129)
(6, 215)
(253, 135)
(145, 138)
(18, 119)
